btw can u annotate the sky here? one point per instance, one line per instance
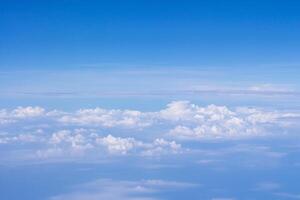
(149, 100)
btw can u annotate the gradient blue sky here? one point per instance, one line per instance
(148, 100)
(67, 34)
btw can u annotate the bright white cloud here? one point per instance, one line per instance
(79, 142)
(115, 131)
(221, 122)
(76, 140)
(177, 110)
(161, 146)
(188, 120)
(119, 145)
(24, 112)
(107, 118)
(182, 116)
(20, 113)
(184, 119)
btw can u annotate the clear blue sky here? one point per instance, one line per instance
(63, 34)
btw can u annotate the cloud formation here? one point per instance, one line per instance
(79, 142)
(57, 133)
(107, 118)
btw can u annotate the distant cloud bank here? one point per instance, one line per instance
(57, 133)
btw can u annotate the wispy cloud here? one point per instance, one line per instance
(287, 195)
(267, 186)
(116, 190)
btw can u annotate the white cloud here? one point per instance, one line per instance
(185, 120)
(119, 145)
(80, 142)
(76, 140)
(64, 134)
(177, 110)
(25, 112)
(220, 122)
(188, 120)
(161, 146)
(20, 113)
(107, 118)
(66, 143)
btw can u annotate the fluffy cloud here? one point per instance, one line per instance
(162, 146)
(195, 122)
(117, 145)
(24, 112)
(63, 132)
(20, 113)
(107, 118)
(188, 120)
(79, 142)
(177, 110)
(76, 140)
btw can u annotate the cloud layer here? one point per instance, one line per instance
(126, 132)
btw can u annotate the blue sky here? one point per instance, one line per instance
(55, 34)
(149, 100)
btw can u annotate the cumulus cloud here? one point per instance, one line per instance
(184, 119)
(115, 131)
(20, 113)
(177, 110)
(79, 142)
(23, 112)
(117, 145)
(195, 122)
(188, 120)
(162, 146)
(76, 140)
(108, 118)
